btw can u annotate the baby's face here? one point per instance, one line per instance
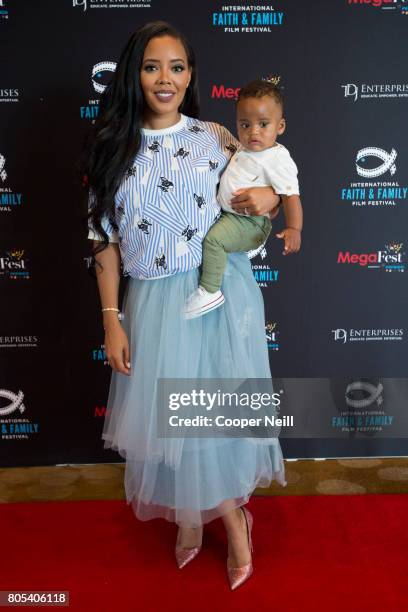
(259, 122)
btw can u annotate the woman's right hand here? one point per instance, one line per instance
(117, 348)
(255, 200)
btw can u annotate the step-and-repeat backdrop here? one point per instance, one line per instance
(336, 312)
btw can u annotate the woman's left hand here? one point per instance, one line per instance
(254, 200)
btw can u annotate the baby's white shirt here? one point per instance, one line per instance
(273, 166)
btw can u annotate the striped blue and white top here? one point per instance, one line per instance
(167, 200)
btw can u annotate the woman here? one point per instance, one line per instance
(152, 169)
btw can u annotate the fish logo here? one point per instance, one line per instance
(97, 70)
(387, 159)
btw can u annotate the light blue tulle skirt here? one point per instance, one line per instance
(188, 480)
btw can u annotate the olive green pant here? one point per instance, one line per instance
(232, 233)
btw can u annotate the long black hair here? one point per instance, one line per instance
(114, 138)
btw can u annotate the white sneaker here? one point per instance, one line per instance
(202, 301)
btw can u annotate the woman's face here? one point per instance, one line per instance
(164, 76)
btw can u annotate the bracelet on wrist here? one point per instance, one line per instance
(121, 315)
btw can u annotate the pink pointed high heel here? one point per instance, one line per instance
(238, 575)
(185, 555)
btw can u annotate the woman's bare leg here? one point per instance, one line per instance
(190, 537)
(234, 521)
(239, 553)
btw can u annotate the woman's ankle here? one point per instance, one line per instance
(189, 537)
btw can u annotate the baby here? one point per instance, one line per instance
(261, 162)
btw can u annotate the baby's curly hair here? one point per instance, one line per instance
(261, 87)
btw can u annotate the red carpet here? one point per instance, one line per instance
(347, 553)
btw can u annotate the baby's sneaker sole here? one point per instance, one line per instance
(198, 312)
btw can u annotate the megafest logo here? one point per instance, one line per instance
(391, 6)
(110, 4)
(9, 198)
(13, 265)
(343, 335)
(223, 92)
(100, 412)
(247, 18)
(272, 335)
(390, 259)
(101, 73)
(373, 163)
(13, 426)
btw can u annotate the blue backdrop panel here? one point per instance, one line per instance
(336, 312)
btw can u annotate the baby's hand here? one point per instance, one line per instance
(292, 240)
